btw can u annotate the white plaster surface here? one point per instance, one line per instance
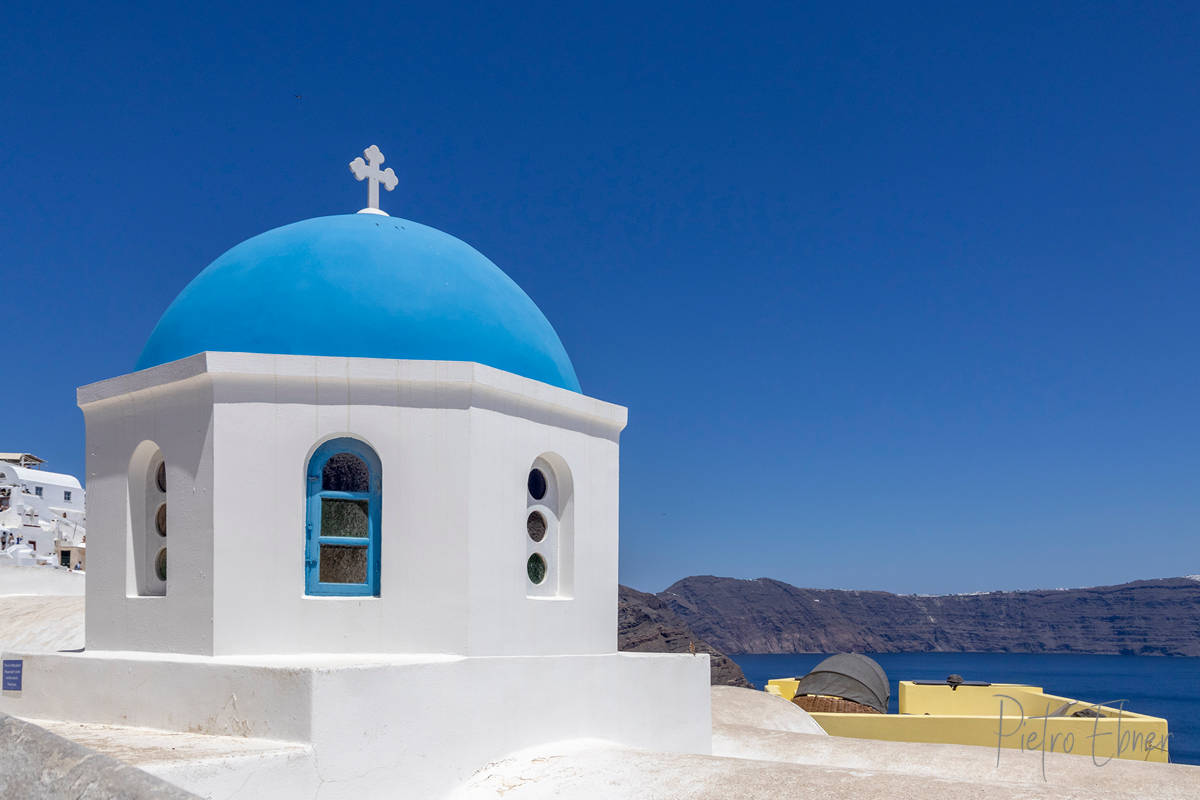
(733, 705)
(225, 766)
(779, 764)
(177, 418)
(40, 623)
(456, 441)
(40, 580)
(41, 609)
(431, 720)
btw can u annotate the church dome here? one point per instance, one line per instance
(361, 285)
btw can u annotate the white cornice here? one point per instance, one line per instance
(258, 377)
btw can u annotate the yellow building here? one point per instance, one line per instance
(1000, 715)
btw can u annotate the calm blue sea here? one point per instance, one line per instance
(1163, 687)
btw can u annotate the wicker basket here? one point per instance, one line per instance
(836, 705)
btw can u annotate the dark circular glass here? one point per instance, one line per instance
(535, 567)
(160, 564)
(537, 484)
(160, 520)
(161, 477)
(536, 525)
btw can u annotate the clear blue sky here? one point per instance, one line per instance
(899, 297)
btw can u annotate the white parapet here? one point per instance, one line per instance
(423, 724)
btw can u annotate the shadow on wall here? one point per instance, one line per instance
(39, 764)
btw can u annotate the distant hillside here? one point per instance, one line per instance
(1156, 617)
(645, 624)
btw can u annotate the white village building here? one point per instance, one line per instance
(353, 499)
(40, 511)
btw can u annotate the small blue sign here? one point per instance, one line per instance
(12, 674)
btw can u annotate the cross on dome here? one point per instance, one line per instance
(374, 176)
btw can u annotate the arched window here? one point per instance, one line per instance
(341, 554)
(549, 523)
(148, 520)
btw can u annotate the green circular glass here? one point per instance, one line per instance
(536, 568)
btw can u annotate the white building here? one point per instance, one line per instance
(39, 508)
(391, 517)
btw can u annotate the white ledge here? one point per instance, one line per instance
(258, 377)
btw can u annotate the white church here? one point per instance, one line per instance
(353, 500)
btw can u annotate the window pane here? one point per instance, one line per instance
(345, 472)
(536, 526)
(537, 484)
(344, 517)
(343, 564)
(535, 567)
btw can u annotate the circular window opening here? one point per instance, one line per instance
(161, 477)
(160, 564)
(537, 484)
(536, 525)
(160, 520)
(535, 567)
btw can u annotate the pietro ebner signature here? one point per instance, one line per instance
(1035, 738)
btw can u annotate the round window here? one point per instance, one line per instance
(537, 484)
(536, 525)
(160, 477)
(160, 564)
(160, 520)
(535, 567)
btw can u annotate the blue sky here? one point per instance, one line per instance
(899, 297)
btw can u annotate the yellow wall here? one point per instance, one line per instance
(78, 555)
(1000, 715)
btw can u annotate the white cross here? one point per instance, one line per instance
(370, 170)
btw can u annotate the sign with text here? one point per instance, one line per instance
(12, 674)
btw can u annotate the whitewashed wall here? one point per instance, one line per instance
(172, 408)
(456, 442)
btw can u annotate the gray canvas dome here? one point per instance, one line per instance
(851, 676)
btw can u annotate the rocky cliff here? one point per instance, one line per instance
(645, 624)
(1155, 617)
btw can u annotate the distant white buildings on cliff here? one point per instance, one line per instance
(41, 513)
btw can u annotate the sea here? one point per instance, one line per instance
(1161, 686)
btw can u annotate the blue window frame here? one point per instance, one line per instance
(341, 553)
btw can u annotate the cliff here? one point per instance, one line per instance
(645, 624)
(1153, 617)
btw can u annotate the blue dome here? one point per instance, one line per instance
(361, 285)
